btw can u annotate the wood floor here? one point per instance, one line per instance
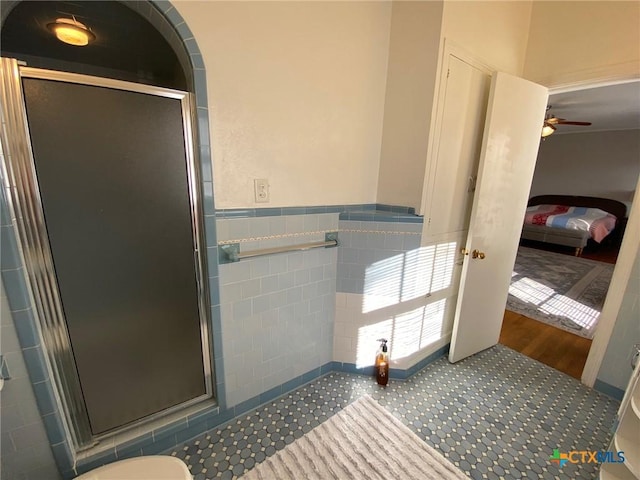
(561, 350)
(557, 348)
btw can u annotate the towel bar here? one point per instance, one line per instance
(233, 254)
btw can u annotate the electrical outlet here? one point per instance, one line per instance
(261, 190)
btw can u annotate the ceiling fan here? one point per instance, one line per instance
(550, 122)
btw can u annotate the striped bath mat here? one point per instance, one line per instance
(363, 441)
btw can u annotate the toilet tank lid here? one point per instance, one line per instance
(152, 467)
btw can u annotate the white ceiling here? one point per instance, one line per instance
(614, 107)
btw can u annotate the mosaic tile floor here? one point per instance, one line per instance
(496, 415)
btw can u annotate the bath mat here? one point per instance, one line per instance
(560, 290)
(363, 441)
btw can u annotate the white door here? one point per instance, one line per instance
(509, 149)
(464, 112)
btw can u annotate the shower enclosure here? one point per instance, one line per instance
(104, 187)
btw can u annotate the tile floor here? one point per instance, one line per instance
(496, 415)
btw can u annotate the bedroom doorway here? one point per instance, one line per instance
(583, 298)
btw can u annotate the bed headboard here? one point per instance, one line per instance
(614, 207)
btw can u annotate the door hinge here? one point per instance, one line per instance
(448, 72)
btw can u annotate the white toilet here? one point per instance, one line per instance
(152, 467)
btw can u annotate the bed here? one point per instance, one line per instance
(552, 219)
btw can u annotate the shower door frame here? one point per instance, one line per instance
(25, 204)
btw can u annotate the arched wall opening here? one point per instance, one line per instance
(176, 63)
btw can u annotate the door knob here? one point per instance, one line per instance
(464, 251)
(477, 254)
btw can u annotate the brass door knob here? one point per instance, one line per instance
(477, 254)
(464, 251)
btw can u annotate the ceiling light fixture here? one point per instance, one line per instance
(71, 31)
(547, 129)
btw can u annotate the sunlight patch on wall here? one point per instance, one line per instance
(408, 275)
(407, 333)
(368, 341)
(433, 326)
(417, 329)
(383, 283)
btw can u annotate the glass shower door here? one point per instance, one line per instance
(122, 274)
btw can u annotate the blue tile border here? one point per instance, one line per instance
(160, 445)
(275, 392)
(26, 328)
(16, 288)
(62, 455)
(45, 398)
(201, 416)
(395, 373)
(405, 374)
(190, 432)
(609, 390)
(53, 423)
(381, 216)
(36, 364)
(395, 209)
(372, 212)
(9, 251)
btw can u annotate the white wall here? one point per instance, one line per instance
(575, 42)
(597, 164)
(616, 364)
(296, 95)
(411, 78)
(494, 31)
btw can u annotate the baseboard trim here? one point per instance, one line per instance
(609, 390)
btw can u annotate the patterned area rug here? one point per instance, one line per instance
(363, 441)
(563, 291)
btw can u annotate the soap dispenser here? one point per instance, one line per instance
(382, 363)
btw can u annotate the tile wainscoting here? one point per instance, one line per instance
(274, 316)
(277, 310)
(391, 286)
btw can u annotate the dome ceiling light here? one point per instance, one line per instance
(69, 30)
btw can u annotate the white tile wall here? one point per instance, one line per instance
(415, 329)
(365, 243)
(25, 449)
(277, 310)
(389, 286)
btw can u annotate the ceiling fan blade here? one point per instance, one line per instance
(565, 122)
(554, 120)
